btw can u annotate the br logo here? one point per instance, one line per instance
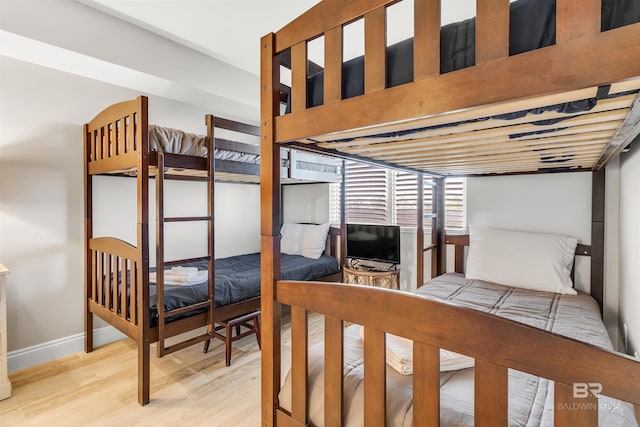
(583, 390)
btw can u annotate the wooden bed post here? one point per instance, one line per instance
(269, 228)
(160, 348)
(597, 236)
(420, 233)
(343, 216)
(211, 169)
(438, 256)
(142, 144)
(88, 234)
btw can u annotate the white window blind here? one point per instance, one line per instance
(377, 195)
(367, 194)
(454, 192)
(405, 198)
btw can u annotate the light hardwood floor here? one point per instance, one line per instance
(187, 387)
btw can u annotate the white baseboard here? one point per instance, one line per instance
(51, 350)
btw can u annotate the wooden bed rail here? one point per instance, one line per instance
(496, 343)
(114, 282)
(582, 57)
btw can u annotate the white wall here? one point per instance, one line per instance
(305, 203)
(90, 43)
(629, 252)
(237, 216)
(550, 203)
(42, 110)
(408, 273)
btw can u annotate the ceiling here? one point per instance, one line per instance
(228, 30)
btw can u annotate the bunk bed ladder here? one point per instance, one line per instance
(161, 264)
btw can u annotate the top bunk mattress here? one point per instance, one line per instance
(581, 119)
(532, 26)
(240, 163)
(175, 141)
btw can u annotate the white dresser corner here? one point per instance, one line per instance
(5, 385)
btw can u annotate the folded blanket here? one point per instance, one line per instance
(399, 356)
(182, 276)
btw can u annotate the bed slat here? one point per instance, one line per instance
(426, 42)
(100, 277)
(374, 50)
(322, 17)
(426, 385)
(113, 284)
(605, 110)
(492, 30)
(124, 312)
(375, 405)
(299, 374)
(113, 139)
(490, 396)
(122, 136)
(333, 65)
(471, 115)
(134, 294)
(94, 274)
(104, 142)
(333, 377)
(130, 134)
(575, 406)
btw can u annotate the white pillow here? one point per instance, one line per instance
(537, 261)
(308, 240)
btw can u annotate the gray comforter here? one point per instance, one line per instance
(168, 140)
(237, 278)
(530, 398)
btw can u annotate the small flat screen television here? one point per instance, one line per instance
(374, 242)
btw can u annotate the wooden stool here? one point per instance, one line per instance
(229, 324)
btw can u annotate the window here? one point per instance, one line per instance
(367, 198)
(377, 195)
(454, 213)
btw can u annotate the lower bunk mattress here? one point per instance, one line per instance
(237, 279)
(530, 398)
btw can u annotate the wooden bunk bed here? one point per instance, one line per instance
(446, 124)
(120, 285)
